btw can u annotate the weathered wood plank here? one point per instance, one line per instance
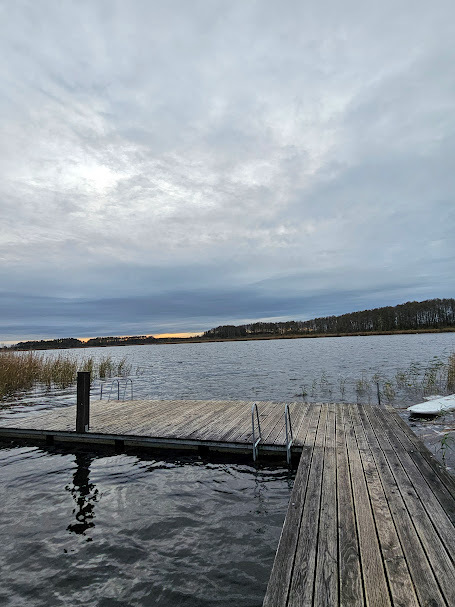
(280, 578)
(132, 415)
(231, 419)
(425, 583)
(129, 417)
(267, 416)
(273, 419)
(442, 487)
(399, 579)
(278, 434)
(326, 579)
(196, 422)
(176, 415)
(350, 577)
(302, 584)
(374, 580)
(435, 512)
(300, 423)
(126, 418)
(298, 412)
(239, 424)
(438, 469)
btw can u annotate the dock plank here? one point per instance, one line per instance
(433, 482)
(302, 583)
(267, 416)
(374, 580)
(418, 447)
(298, 412)
(326, 579)
(398, 576)
(425, 584)
(225, 421)
(433, 546)
(350, 576)
(280, 578)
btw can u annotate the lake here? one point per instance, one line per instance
(408, 367)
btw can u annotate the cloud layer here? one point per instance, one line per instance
(173, 166)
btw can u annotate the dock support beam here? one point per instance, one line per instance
(83, 401)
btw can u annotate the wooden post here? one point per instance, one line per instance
(379, 393)
(83, 401)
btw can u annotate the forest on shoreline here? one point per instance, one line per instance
(429, 316)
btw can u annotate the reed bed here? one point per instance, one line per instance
(415, 382)
(21, 371)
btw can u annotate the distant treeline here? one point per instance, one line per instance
(71, 342)
(410, 316)
(432, 314)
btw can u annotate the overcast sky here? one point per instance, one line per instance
(170, 166)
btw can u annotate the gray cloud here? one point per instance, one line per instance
(258, 160)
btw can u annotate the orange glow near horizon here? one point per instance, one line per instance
(177, 335)
(84, 339)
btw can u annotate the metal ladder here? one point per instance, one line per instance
(256, 441)
(117, 381)
(257, 438)
(289, 436)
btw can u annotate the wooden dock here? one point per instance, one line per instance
(171, 424)
(372, 513)
(370, 520)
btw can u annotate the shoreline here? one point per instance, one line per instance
(201, 340)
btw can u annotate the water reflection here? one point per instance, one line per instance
(85, 494)
(173, 530)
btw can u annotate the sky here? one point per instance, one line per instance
(173, 166)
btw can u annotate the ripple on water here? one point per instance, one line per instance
(80, 528)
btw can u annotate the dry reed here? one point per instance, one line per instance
(20, 371)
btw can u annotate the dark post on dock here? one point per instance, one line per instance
(83, 401)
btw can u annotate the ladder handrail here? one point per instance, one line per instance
(117, 381)
(128, 379)
(255, 441)
(288, 424)
(114, 381)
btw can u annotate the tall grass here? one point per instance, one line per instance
(18, 371)
(109, 368)
(21, 371)
(60, 371)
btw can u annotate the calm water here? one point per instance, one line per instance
(90, 529)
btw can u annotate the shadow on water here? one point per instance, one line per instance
(85, 495)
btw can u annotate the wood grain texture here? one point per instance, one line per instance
(326, 579)
(374, 579)
(282, 571)
(437, 552)
(425, 580)
(302, 584)
(397, 573)
(350, 576)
